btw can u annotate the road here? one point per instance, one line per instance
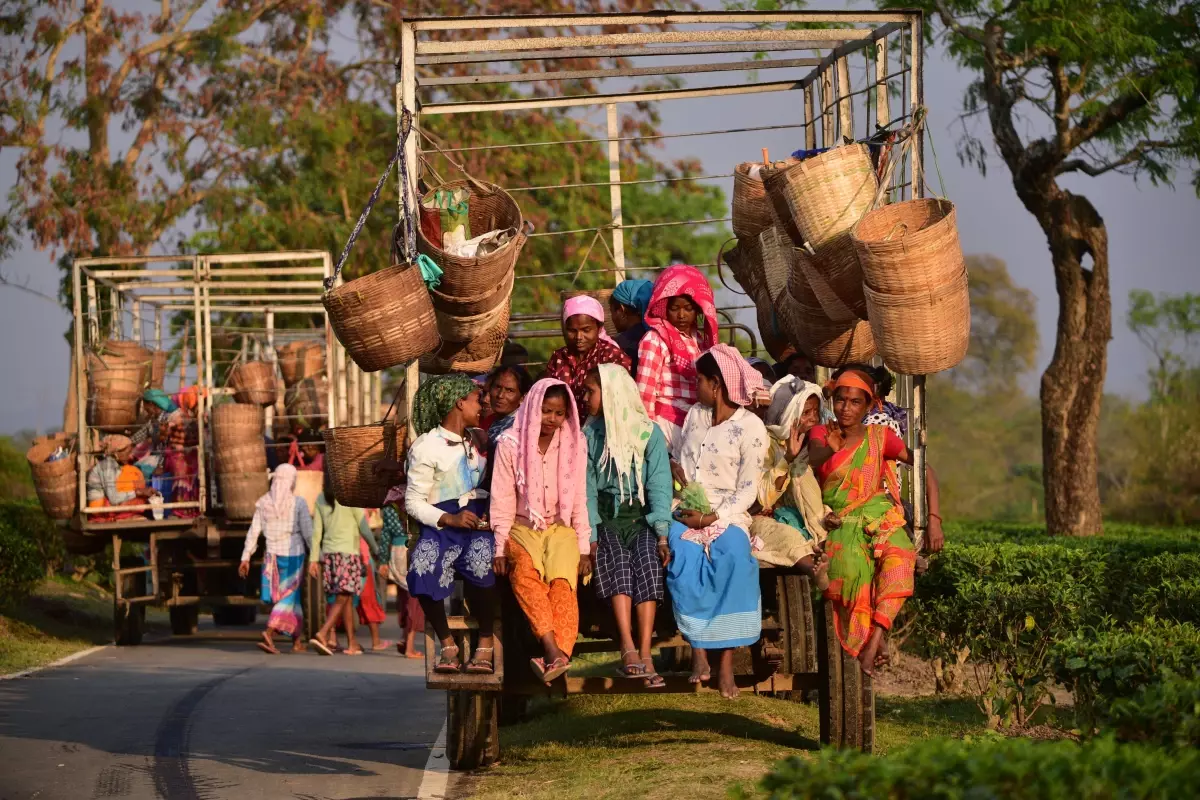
(211, 717)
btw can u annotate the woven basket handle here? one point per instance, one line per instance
(720, 273)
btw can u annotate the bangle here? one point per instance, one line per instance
(938, 517)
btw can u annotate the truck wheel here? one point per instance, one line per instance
(235, 615)
(184, 620)
(472, 730)
(847, 698)
(129, 624)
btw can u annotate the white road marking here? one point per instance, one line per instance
(437, 771)
(25, 673)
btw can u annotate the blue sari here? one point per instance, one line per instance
(715, 594)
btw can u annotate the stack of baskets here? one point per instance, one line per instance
(240, 456)
(915, 285)
(115, 385)
(253, 383)
(54, 481)
(473, 301)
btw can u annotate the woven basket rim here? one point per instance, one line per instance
(456, 184)
(509, 279)
(919, 296)
(949, 215)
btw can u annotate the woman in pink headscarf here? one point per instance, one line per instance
(588, 346)
(666, 374)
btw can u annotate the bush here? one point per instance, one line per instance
(27, 518)
(1015, 769)
(20, 566)
(1165, 713)
(1105, 666)
(1166, 586)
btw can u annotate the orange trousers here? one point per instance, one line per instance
(550, 608)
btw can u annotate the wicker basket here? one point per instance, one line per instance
(235, 424)
(300, 360)
(777, 255)
(770, 331)
(114, 393)
(745, 262)
(470, 306)
(350, 455)
(815, 290)
(114, 352)
(833, 344)
(752, 212)
(490, 209)
(476, 356)
(158, 369)
(466, 329)
(308, 402)
(821, 198)
(600, 295)
(385, 318)
(253, 383)
(55, 481)
(908, 246)
(240, 492)
(925, 331)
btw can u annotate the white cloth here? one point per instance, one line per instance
(725, 459)
(285, 537)
(441, 466)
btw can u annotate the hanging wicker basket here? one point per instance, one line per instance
(816, 290)
(908, 246)
(777, 255)
(833, 344)
(478, 304)
(600, 295)
(236, 424)
(351, 453)
(115, 352)
(752, 212)
(253, 383)
(54, 481)
(774, 340)
(307, 403)
(114, 393)
(745, 262)
(476, 356)
(490, 208)
(466, 329)
(821, 198)
(383, 319)
(158, 369)
(300, 360)
(925, 331)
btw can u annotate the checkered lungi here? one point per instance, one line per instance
(632, 570)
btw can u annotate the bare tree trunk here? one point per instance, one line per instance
(1073, 384)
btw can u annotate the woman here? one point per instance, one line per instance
(289, 531)
(539, 517)
(712, 576)
(871, 557)
(445, 501)
(628, 305)
(666, 375)
(629, 507)
(789, 521)
(115, 481)
(337, 533)
(509, 385)
(588, 346)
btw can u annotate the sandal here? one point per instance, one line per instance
(320, 647)
(539, 667)
(478, 666)
(556, 668)
(267, 648)
(447, 659)
(655, 681)
(634, 670)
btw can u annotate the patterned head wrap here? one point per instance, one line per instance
(682, 281)
(788, 397)
(634, 293)
(436, 398)
(572, 454)
(627, 429)
(588, 306)
(742, 381)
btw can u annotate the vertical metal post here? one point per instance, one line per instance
(271, 359)
(200, 415)
(916, 88)
(114, 315)
(93, 320)
(810, 118)
(827, 133)
(845, 105)
(158, 328)
(354, 394)
(137, 337)
(406, 98)
(331, 348)
(920, 497)
(83, 441)
(614, 191)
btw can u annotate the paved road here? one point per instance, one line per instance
(211, 717)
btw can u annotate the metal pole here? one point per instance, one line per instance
(827, 133)
(810, 123)
(137, 336)
(114, 314)
(845, 106)
(883, 114)
(921, 499)
(202, 450)
(406, 98)
(614, 191)
(93, 320)
(272, 359)
(331, 347)
(158, 328)
(83, 440)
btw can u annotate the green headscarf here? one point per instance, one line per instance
(159, 398)
(436, 398)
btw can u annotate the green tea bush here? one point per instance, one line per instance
(1166, 586)
(1014, 769)
(20, 566)
(26, 518)
(1166, 713)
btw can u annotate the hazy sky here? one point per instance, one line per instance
(1149, 230)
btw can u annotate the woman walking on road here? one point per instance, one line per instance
(337, 531)
(289, 531)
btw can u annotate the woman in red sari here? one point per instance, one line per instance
(870, 556)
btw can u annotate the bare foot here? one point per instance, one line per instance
(701, 672)
(413, 654)
(821, 573)
(725, 682)
(867, 656)
(298, 646)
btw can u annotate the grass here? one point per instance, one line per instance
(697, 746)
(60, 618)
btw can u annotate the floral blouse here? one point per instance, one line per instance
(725, 459)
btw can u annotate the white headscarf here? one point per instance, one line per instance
(788, 397)
(627, 430)
(280, 502)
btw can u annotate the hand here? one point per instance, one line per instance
(664, 551)
(585, 564)
(832, 521)
(592, 555)
(384, 571)
(795, 442)
(144, 492)
(677, 473)
(500, 565)
(692, 518)
(314, 570)
(835, 438)
(463, 519)
(243, 569)
(934, 538)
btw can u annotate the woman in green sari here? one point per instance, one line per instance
(870, 555)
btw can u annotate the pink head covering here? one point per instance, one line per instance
(589, 306)
(678, 281)
(280, 502)
(572, 454)
(743, 381)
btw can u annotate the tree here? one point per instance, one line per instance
(1165, 326)
(1004, 333)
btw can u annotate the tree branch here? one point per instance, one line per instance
(1135, 153)
(952, 23)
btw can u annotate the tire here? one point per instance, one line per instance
(184, 620)
(473, 735)
(128, 628)
(847, 698)
(235, 615)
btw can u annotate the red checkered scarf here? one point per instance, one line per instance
(679, 281)
(742, 381)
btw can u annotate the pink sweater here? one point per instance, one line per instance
(509, 506)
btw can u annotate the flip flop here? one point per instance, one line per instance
(383, 645)
(320, 647)
(357, 652)
(655, 681)
(266, 648)
(539, 667)
(557, 669)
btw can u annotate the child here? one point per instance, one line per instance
(444, 499)
(629, 505)
(394, 539)
(539, 516)
(337, 532)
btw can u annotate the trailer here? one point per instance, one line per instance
(838, 74)
(204, 313)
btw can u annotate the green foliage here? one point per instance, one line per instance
(15, 481)
(1166, 586)
(28, 520)
(1166, 713)
(1015, 769)
(1004, 332)
(1101, 666)
(20, 565)
(1166, 326)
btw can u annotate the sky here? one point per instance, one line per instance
(1150, 231)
